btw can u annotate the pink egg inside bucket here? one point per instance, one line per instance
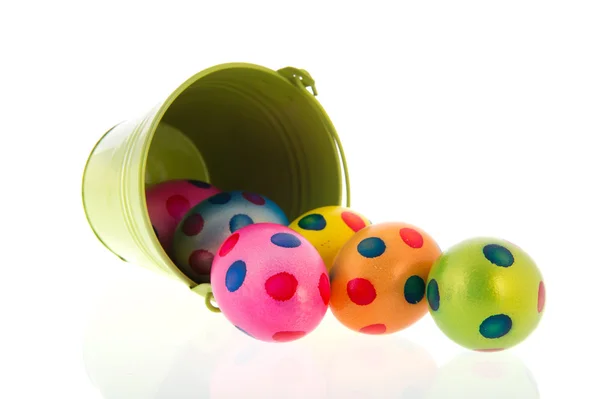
(168, 203)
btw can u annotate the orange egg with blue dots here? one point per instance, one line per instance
(378, 278)
(328, 228)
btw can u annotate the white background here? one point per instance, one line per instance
(430, 98)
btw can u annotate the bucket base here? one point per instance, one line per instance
(174, 156)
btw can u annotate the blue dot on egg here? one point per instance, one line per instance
(498, 255)
(371, 247)
(199, 184)
(285, 240)
(433, 295)
(239, 221)
(220, 199)
(314, 221)
(235, 276)
(495, 326)
(414, 290)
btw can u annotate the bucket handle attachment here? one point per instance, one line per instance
(205, 290)
(208, 302)
(300, 78)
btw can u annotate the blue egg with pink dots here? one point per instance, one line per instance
(204, 228)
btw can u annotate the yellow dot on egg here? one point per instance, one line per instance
(328, 228)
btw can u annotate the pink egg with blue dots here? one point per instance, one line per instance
(270, 283)
(208, 224)
(168, 202)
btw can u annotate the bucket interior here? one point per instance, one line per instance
(243, 128)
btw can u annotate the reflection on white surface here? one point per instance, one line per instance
(364, 366)
(156, 341)
(145, 338)
(484, 375)
(254, 369)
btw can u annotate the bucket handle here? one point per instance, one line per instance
(338, 143)
(302, 79)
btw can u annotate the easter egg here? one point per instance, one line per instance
(328, 228)
(486, 294)
(208, 224)
(270, 282)
(378, 278)
(168, 203)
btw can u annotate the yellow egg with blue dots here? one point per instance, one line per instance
(328, 228)
(486, 294)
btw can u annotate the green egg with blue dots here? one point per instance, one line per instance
(486, 294)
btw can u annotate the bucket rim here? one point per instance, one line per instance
(288, 74)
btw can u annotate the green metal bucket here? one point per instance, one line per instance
(238, 126)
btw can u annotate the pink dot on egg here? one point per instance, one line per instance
(229, 244)
(411, 237)
(374, 329)
(541, 297)
(361, 291)
(286, 336)
(177, 206)
(193, 225)
(254, 198)
(324, 288)
(281, 286)
(353, 221)
(201, 261)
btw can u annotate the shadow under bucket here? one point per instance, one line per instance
(237, 126)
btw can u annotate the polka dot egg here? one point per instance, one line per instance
(328, 228)
(486, 294)
(378, 278)
(270, 282)
(168, 203)
(208, 224)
